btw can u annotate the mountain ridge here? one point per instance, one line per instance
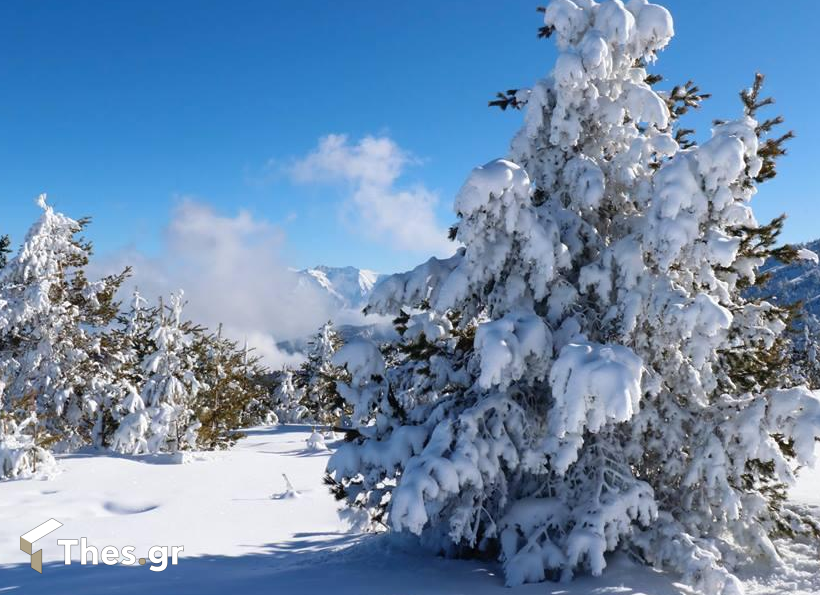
(348, 287)
(797, 281)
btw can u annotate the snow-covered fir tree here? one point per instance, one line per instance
(595, 377)
(807, 353)
(51, 323)
(309, 392)
(5, 250)
(129, 417)
(171, 384)
(287, 399)
(20, 456)
(317, 378)
(262, 406)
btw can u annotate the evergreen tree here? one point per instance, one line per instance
(316, 378)
(596, 378)
(288, 399)
(129, 419)
(261, 408)
(51, 321)
(179, 386)
(230, 379)
(5, 250)
(806, 355)
(69, 376)
(171, 385)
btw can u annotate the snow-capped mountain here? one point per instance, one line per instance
(349, 287)
(798, 281)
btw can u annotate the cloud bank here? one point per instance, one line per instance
(404, 218)
(230, 265)
(230, 269)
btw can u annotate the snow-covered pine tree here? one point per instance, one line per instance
(5, 250)
(261, 409)
(393, 390)
(171, 386)
(287, 399)
(806, 351)
(317, 378)
(129, 418)
(19, 455)
(619, 390)
(231, 381)
(51, 319)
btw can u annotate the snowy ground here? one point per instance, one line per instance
(242, 535)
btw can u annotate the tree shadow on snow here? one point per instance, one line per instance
(343, 564)
(280, 429)
(178, 458)
(303, 453)
(163, 458)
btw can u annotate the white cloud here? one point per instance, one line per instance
(405, 218)
(230, 270)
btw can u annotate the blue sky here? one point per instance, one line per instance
(121, 110)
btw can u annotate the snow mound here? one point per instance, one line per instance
(316, 442)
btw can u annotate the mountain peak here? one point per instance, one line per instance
(348, 286)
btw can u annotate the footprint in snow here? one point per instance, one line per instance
(124, 509)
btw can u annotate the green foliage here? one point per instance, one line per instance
(505, 100)
(770, 148)
(231, 379)
(763, 365)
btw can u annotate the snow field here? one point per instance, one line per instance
(243, 535)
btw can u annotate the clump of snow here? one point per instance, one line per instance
(362, 359)
(316, 442)
(432, 326)
(510, 346)
(289, 493)
(592, 385)
(806, 254)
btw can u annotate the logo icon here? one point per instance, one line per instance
(27, 542)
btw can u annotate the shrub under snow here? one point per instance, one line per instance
(20, 456)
